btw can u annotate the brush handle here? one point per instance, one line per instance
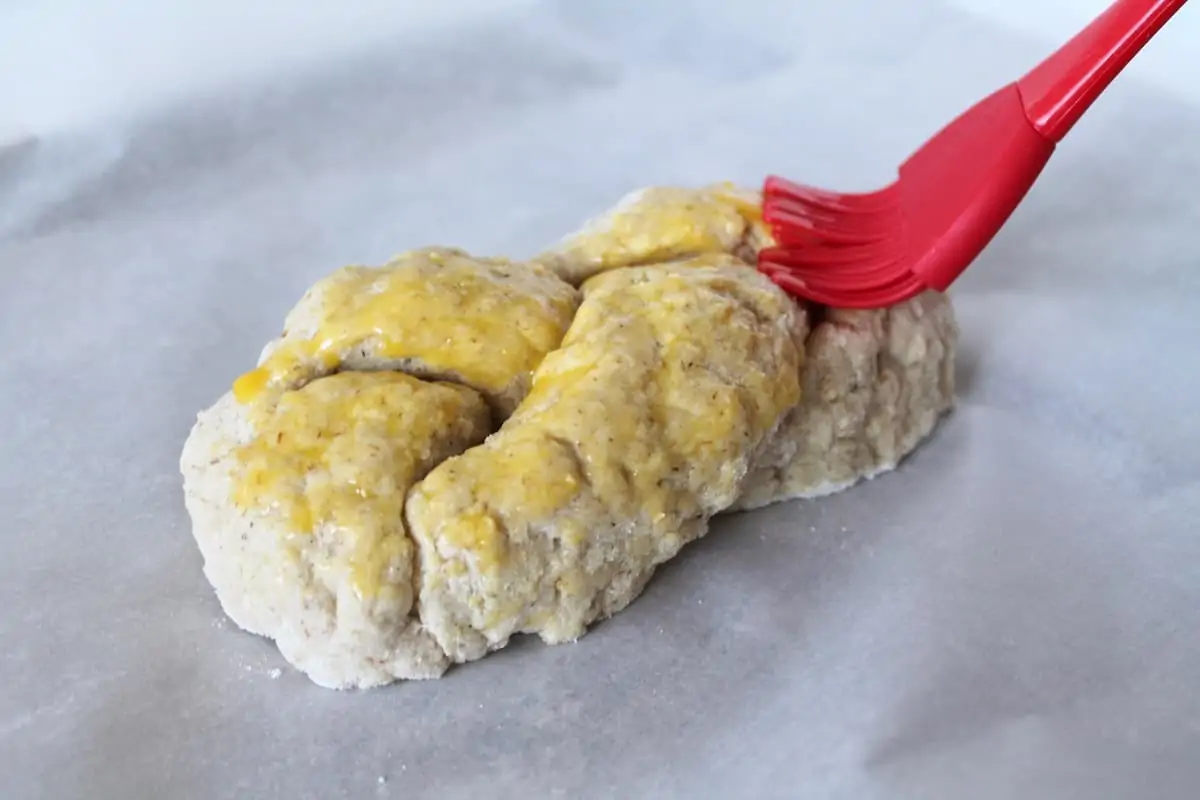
(1057, 91)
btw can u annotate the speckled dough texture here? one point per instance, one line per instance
(371, 318)
(655, 380)
(875, 383)
(297, 589)
(643, 425)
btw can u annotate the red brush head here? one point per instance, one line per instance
(921, 232)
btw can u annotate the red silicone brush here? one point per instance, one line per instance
(953, 194)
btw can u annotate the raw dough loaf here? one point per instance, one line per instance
(638, 429)
(296, 502)
(688, 385)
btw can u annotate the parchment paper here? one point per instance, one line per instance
(1013, 614)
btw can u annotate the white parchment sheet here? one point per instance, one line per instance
(1013, 614)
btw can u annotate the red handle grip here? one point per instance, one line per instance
(1058, 91)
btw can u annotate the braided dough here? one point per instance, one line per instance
(447, 450)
